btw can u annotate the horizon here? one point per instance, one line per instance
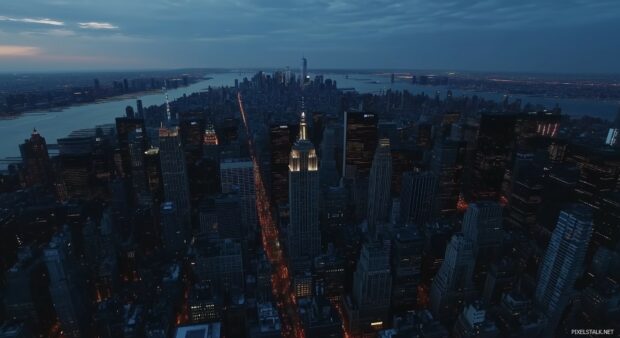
(483, 35)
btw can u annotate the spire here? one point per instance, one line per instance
(303, 128)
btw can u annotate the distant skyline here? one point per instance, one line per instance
(551, 36)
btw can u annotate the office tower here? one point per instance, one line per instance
(453, 281)
(329, 163)
(406, 267)
(360, 137)
(379, 196)
(237, 175)
(137, 147)
(447, 164)
(26, 293)
(329, 274)
(36, 160)
(494, 146)
(418, 197)
(174, 176)
(76, 162)
(125, 126)
(304, 237)
(220, 264)
(173, 234)
(563, 260)
(369, 304)
(192, 136)
(482, 225)
(304, 71)
(68, 295)
(281, 138)
(152, 166)
(129, 112)
(140, 109)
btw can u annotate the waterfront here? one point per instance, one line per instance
(57, 124)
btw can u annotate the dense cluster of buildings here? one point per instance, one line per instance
(397, 215)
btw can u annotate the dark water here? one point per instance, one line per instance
(57, 124)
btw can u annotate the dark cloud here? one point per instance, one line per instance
(457, 34)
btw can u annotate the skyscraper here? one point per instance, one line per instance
(360, 136)
(137, 147)
(379, 185)
(36, 160)
(66, 293)
(447, 164)
(304, 237)
(482, 225)
(418, 197)
(563, 260)
(329, 163)
(282, 137)
(454, 279)
(174, 175)
(368, 307)
(237, 175)
(125, 126)
(173, 234)
(495, 144)
(304, 70)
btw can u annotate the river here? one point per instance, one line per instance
(57, 124)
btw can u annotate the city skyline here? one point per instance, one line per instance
(461, 35)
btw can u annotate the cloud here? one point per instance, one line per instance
(41, 21)
(97, 25)
(8, 51)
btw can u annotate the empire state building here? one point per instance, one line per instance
(304, 238)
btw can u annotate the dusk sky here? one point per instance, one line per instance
(572, 36)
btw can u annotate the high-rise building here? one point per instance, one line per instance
(418, 197)
(453, 281)
(220, 264)
(282, 137)
(237, 175)
(137, 147)
(304, 71)
(152, 166)
(125, 126)
(447, 165)
(379, 196)
(494, 147)
(563, 261)
(68, 295)
(76, 162)
(140, 109)
(26, 293)
(329, 163)
(36, 160)
(406, 266)
(174, 175)
(482, 225)
(304, 236)
(369, 304)
(173, 234)
(360, 135)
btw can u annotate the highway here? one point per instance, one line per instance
(283, 293)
